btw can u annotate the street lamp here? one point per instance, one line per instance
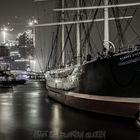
(4, 31)
(31, 24)
(4, 36)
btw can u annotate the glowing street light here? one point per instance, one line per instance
(31, 24)
(4, 31)
(35, 21)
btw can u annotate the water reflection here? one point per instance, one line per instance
(56, 122)
(6, 113)
(26, 111)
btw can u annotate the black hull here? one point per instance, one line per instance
(113, 76)
(109, 85)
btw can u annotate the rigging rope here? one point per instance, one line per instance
(53, 45)
(73, 53)
(91, 25)
(35, 53)
(128, 24)
(70, 41)
(118, 24)
(65, 42)
(85, 32)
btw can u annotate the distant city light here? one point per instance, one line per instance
(22, 60)
(25, 60)
(15, 53)
(4, 36)
(30, 23)
(56, 81)
(33, 22)
(4, 31)
(10, 43)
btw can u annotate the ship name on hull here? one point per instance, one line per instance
(130, 58)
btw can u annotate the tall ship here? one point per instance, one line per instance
(108, 82)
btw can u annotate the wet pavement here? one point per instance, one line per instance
(26, 113)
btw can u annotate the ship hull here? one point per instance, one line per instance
(118, 106)
(115, 76)
(110, 85)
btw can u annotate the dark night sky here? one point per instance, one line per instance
(24, 10)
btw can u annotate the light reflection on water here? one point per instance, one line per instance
(24, 111)
(6, 113)
(56, 121)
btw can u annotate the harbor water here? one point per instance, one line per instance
(26, 113)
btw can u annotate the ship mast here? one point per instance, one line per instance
(106, 26)
(78, 35)
(106, 8)
(63, 35)
(106, 20)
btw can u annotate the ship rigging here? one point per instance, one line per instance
(107, 83)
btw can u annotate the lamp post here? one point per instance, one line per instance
(4, 30)
(31, 24)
